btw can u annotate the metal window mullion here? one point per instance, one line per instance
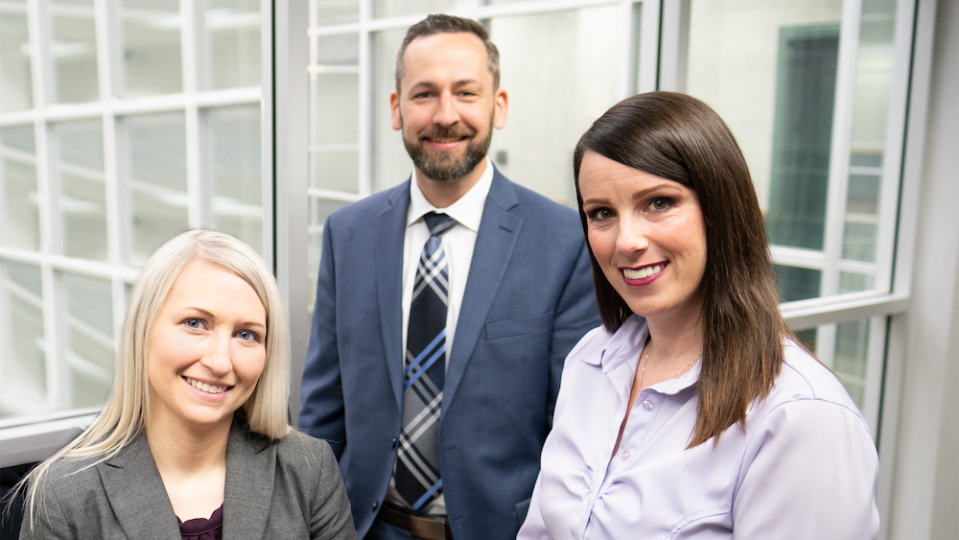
(893, 147)
(648, 61)
(267, 121)
(875, 357)
(629, 57)
(38, 23)
(290, 144)
(198, 207)
(366, 101)
(840, 145)
(198, 193)
(839, 167)
(674, 45)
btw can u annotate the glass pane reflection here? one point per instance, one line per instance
(233, 28)
(151, 47)
(89, 344)
(74, 52)
(157, 180)
(16, 85)
(83, 190)
(395, 8)
(21, 214)
(327, 12)
(235, 173)
(23, 369)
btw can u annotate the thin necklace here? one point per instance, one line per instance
(642, 371)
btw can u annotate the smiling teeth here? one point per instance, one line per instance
(644, 272)
(206, 387)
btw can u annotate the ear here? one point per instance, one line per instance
(500, 108)
(395, 110)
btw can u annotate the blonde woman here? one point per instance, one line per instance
(194, 442)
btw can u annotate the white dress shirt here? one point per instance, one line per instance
(458, 244)
(805, 467)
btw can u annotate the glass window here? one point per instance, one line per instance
(812, 123)
(854, 350)
(82, 200)
(74, 54)
(580, 51)
(23, 366)
(20, 223)
(16, 85)
(156, 154)
(233, 34)
(326, 12)
(235, 175)
(89, 339)
(395, 8)
(151, 47)
(117, 178)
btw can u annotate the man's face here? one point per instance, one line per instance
(447, 107)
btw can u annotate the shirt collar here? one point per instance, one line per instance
(467, 211)
(624, 346)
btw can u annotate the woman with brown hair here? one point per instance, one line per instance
(692, 412)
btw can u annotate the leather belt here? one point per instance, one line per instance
(426, 528)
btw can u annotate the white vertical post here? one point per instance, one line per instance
(289, 105)
(674, 45)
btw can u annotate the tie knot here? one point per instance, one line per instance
(438, 223)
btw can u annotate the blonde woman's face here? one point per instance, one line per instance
(207, 348)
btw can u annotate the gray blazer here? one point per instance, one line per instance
(290, 488)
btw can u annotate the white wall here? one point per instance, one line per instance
(925, 500)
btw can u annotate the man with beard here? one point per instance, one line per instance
(445, 308)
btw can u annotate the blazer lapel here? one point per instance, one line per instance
(495, 241)
(133, 485)
(390, 230)
(250, 472)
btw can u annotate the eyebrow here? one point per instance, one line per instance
(637, 195)
(430, 84)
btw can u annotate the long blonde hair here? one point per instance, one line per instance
(124, 415)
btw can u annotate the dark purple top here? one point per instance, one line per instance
(203, 529)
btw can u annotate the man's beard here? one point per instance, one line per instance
(442, 167)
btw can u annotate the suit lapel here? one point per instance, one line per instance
(495, 241)
(133, 485)
(250, 473)
(390, 232)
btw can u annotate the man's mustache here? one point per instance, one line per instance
(452, 133)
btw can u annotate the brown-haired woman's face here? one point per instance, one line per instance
(207, 347)
(647, 234)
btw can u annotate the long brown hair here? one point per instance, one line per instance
(680, 138)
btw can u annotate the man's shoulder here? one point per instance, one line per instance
(529, 202)
(362, 210)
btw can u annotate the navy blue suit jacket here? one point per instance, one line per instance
(529, 298)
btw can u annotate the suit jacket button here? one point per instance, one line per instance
(393, 444)
(376, 504)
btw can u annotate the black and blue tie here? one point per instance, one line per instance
(418, 477)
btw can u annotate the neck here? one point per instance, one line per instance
(442, 194)
(674, 344)
(182, 451)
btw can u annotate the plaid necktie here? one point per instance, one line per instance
(418, 467)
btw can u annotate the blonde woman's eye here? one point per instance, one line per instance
(193, 323)
(247, 335)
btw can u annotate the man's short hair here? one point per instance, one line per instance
(439, 23)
